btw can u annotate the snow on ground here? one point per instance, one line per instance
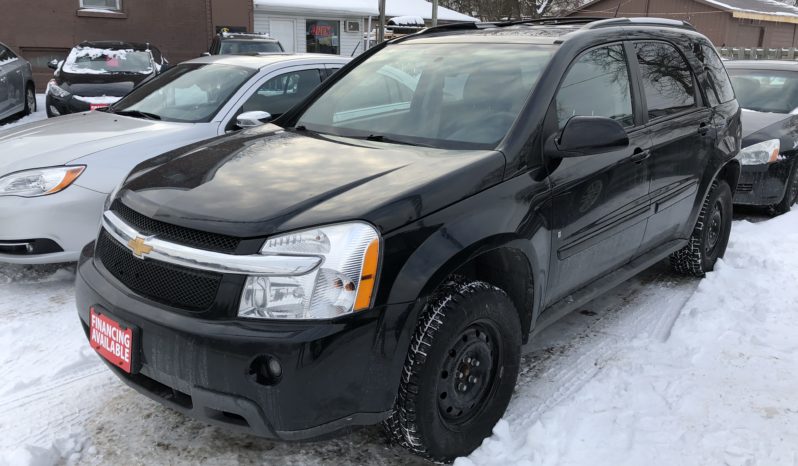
(39, 114)
(662, 370)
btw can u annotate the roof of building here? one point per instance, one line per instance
(420, 8)
(763, 10)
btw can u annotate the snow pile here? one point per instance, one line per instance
(749, 6)
(40, 114)
(720, 389)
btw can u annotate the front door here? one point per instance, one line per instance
(284, 30)
(681, 134)
(599, 202)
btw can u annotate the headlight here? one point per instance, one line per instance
(54, 89)
(343, 283)
(761, 153)
(39, 182)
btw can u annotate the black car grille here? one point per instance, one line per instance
(173, 233)
(180, 287)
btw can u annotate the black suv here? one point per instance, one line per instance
(382, 251)
(241, 43)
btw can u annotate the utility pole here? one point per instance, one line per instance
(434, 13)
(381, 30)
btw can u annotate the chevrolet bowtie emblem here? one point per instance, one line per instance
(138, 247)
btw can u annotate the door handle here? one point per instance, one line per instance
(640, 155)
(703, 129)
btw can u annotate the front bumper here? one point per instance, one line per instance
(57, 106)
(762, 185)
(335, 374)
(70, 219)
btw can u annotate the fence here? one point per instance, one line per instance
(743, 53)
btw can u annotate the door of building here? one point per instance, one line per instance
(284, 30)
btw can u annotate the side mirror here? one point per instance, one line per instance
(205, 54)
(252, 119)
(52, 64)
(587, 135)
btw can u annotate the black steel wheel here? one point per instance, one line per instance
(460, 371)
(710, 234)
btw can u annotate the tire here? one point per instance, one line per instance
(790, 193)
(460, 371)
(30, 99)
(710, 236)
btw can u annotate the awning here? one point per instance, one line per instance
(421, 8)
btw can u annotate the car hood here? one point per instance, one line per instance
(264, 181)
(96, 85)
(58, 141)
(759, 126)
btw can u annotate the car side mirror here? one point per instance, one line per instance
(252, 119)
(587, 135)
(52, 64)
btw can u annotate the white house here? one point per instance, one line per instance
(334, 26)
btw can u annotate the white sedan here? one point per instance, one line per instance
(55, 175)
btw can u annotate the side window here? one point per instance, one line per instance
(279, 94)
(721, 87)
(666, 77)
(597, 85)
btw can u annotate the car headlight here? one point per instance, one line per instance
(344, 282)
(39, 182)
(54, 89)
(761, 153)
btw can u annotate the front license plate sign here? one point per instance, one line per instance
(97, 106)
(113, 341)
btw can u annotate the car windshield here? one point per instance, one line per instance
(432, 94)
(190, 93)
(90, 60)
(766, 90)
(235, 47)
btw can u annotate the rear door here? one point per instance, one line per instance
(599, 202)
(682, 137)
(6, 84)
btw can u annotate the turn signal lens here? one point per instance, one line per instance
(368, 276)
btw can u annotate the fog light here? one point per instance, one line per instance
(266, 370)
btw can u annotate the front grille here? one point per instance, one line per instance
(745, 187)
(180, 287)
(168, 232)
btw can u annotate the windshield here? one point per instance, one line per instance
(434, 95)
(90, 60)
(190, 93)
(766, 90)
(235, 47)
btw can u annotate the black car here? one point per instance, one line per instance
(768, 92)
(241, 43)
(97, 74)
(381, 254)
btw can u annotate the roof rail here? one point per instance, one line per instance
(640, 21)
(551, 20)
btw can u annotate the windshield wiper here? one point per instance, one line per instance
(381, 138)
(138, 114)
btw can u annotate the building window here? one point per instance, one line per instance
(113, 5)
(323, 36)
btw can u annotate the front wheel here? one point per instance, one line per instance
(30, 99)
(790, 193)
(460, 371)
(710, 235)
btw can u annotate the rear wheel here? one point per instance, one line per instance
(710, 235)
(30, 99)
(790, 193)
(460, 371)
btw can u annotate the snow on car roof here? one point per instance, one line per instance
(74, 66)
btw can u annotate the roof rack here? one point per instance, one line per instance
(588, 22)
(641, 21)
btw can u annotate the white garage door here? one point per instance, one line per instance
(284, 31)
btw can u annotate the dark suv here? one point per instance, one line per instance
(241, 43)
(384, 249)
